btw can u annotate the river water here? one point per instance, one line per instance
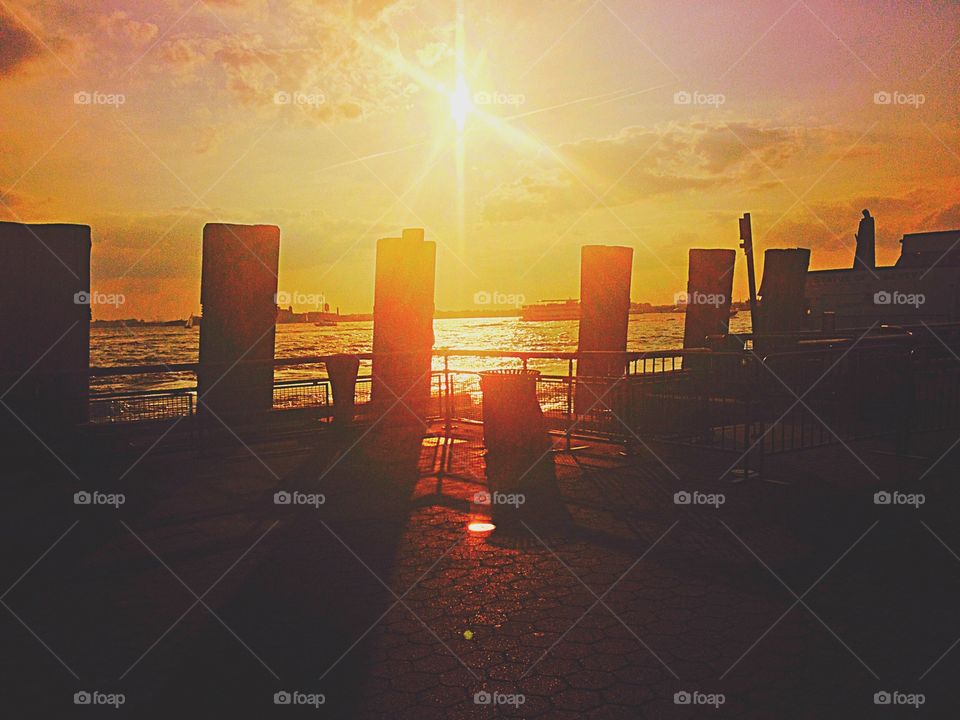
(159, 345)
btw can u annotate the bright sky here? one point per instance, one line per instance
(514, 132)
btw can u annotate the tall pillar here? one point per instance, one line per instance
(709, 290)
(605, 272)
(44, 324)
(238, 289)
(403, 324)
(782, 301)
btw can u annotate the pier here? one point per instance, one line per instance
(405, 535)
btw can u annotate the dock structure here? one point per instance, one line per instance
(605, 275)
(599, 583)
(708, 297)
(238, 290)
(44, 325)
(403, 309)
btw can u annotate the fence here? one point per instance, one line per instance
(735, 401)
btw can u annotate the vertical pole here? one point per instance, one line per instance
(448, 399)
(569, 400)
(746, 235)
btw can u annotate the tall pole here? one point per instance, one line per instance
(746, 235)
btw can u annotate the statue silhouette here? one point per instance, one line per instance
(865, 257)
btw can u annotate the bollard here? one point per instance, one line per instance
(342, 370)
(512, 418)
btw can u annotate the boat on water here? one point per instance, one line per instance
(551, 310)
(192, 321)
(325, 323)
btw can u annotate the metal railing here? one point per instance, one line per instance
(729, 401)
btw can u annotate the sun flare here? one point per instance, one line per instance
(460, 104)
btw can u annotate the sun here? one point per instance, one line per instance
(460, 104)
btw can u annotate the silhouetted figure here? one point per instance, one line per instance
(865, 258)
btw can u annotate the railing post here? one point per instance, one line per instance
(569, 428)
(448, 395)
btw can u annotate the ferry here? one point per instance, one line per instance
(551, 310)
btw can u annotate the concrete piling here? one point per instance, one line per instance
(238, 289)
(605, 274)
(44, 325)
(403, 325)
(709, 290)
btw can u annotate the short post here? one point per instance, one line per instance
(342, 369)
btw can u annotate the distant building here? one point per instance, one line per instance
(922, 287)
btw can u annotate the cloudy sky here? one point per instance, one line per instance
(514, 132)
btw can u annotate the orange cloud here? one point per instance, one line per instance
(18, 45)
(646, 162)
(120, 26)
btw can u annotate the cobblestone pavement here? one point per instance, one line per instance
(201, 595)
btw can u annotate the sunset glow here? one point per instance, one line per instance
(514, 132)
